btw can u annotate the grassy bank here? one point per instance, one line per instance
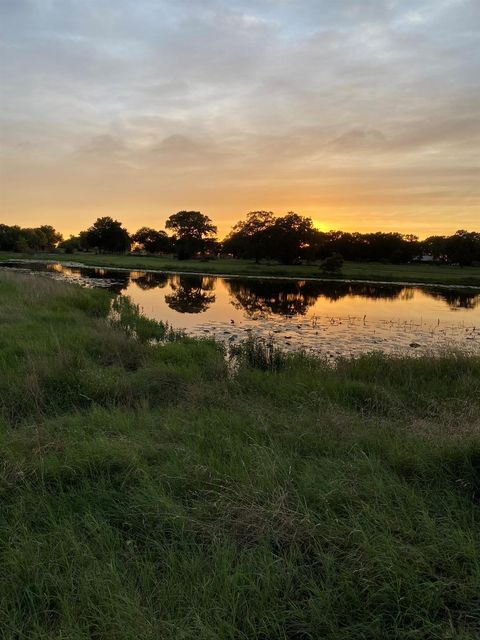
(146, 493)
(421, 273)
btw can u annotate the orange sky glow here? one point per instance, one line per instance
(360, 115)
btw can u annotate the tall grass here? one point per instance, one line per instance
(258, 353)
(127, 315)
(145, 493)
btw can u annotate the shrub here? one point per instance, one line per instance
(333, 264)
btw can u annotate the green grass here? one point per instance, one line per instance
(421, 273)
(155, 492)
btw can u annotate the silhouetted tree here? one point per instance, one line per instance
(71, 245)
(191, 232)
(9, 237)
(291, 238)
(51, 237)
(250, 238)
(463, 247)
(288, 239)
(107, 236)
(153, 241)
(15, 238)
(435, 246)
(388, 247)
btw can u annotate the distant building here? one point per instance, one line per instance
(424, 258)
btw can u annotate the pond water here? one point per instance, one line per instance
(330, 317)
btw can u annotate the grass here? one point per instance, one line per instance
(149, 492)
(420, 273)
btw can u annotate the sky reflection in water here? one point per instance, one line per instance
(332, 317)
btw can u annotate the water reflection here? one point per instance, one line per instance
(117, 281)
(332, 318)
(290, 298)
(194, 294)
(147, 280)
(262, 297)
(456, 299)
(190, 294)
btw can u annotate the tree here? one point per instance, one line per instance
(250, 238)
(463, 247)
(52, 237)
(152, 241)
(435, 246)
(9, 237)
(386, 247)
(71, 245)
(191, 232)
(291, 238)
(44, 238)
(32, 240)
(107, 236)
(288, 239)
(389, 247)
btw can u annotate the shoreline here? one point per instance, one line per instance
(229, 276)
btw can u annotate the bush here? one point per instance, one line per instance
(333, 264)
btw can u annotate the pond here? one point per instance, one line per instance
(329, 317)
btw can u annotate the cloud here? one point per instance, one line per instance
(359, 139)
(105, 146)
(243, 96)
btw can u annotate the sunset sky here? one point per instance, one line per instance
(363, 114)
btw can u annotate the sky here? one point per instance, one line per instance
(362, 114)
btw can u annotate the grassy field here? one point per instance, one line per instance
(152, 492)
(422, 273)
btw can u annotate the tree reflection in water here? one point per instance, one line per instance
(289, 298)
(191, 294)
(337, 290)
(147, 280)
(194, 293)
(269, 296)
(116, 281)
(456, 299)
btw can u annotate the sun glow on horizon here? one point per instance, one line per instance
(267, 105)
(321, 226)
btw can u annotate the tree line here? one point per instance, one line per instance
(289, 239)
(24, 240)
